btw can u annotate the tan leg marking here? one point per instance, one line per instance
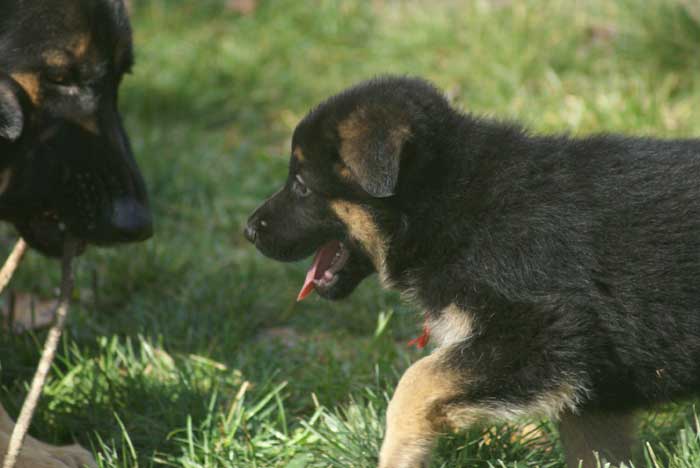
(30, 83)
(37, 454)
(415, 415)
(363, 229)
(550, 404)
(451, 326)
(424, 405)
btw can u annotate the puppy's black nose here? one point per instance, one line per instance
(255, 225)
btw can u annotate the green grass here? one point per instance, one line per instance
(189, 350)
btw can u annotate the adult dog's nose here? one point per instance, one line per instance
(131, 221)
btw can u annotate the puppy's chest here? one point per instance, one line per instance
(450, 325)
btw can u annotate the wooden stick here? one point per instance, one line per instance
(8, 269)
(47, 356)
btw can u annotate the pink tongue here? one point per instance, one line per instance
(322, 261)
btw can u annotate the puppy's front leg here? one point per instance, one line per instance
(416, 413)
(452, 388)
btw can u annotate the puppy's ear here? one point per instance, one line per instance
(12, 115)
(371, 141)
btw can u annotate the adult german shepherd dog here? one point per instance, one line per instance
(559, 276)
(66, 165)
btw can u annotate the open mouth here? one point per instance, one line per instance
(323, 273)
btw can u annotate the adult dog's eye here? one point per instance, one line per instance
(58, 77)
(300, 188)
(61, 76)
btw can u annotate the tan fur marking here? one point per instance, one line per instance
(30, 83)
(55, 58)
(298, 153)
(5, 178)
(360, 143)
(363, 229)
(89, 124)
(354, 133)
(353, 127)
(81, 46)
(423, 405)
(451, 326)
(549, 404)
(343, 171)
(420, 410)
(399, 134)
(414, 417)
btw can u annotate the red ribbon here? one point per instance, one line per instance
(422, 340)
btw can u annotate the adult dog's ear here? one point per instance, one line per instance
(12, 110)
(371, 141)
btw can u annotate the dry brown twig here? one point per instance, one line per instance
(8, 269)
(47, 355)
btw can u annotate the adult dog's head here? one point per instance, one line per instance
(355, 160)
(65, 160)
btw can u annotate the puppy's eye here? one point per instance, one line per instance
(300, 188)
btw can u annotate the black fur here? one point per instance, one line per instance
(73, 170)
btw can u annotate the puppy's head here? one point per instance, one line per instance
(68, 168)
(353, 159)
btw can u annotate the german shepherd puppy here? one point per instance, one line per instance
(66, 165)
(75, 172)
(559, 276)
